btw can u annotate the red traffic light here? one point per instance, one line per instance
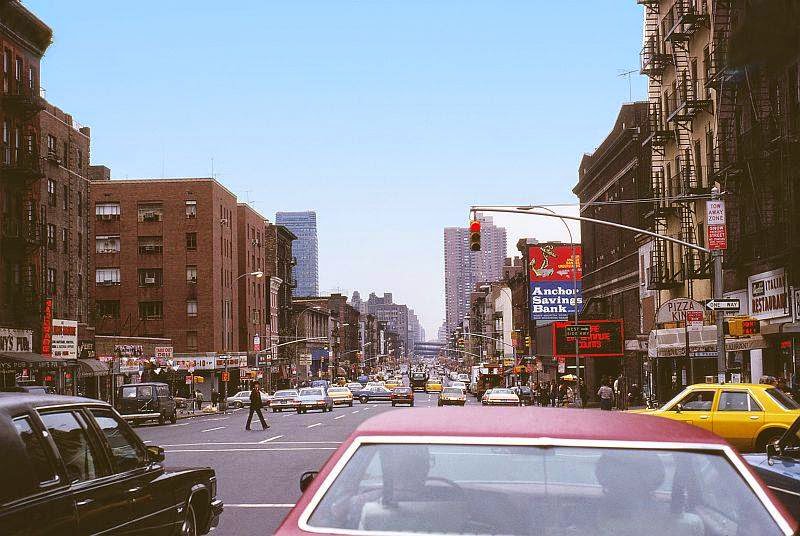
(475, 226)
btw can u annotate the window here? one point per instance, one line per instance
(51, 281)
(65, 281)
(191, 241)
(780, 398)
(52, 151)
(150, 212)
(64, 241)
(191, 274)
(191, 308)
(66, 197)
(107, 244)
(191, 209)
(107, 211)
(191, 340)
(73, 444)
(150, 277)
(51, 192)
(737, 401)
(696, 401)
(41, 463)
(108, 308)
(126, 451)
(151, 310)
(51, 236)
(150, 245)
(107, 276)
(80, 159)
(66, 154)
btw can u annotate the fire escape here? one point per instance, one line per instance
(21, 167)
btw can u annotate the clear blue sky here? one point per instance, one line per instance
(387, 117)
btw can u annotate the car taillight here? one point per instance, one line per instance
(295, 401)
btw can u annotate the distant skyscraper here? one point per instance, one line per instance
(305, 249)
(464, 268)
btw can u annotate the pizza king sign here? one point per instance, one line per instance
(715, 224)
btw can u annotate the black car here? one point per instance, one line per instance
(779, 468)
(33, 389)
(525, 395)
(74, 466)
(139, 402)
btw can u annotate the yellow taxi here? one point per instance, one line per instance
(394, 382)
(341, 396)
(747, 415)
(433, 386)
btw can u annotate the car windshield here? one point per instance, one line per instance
(286, 393)
(242, 394)
(134, 391)
(352, 386)
(310, 392)
(530, 490)
(782, 399)
(452, 391)
(333, 390)
(403, 390)
(502, 392)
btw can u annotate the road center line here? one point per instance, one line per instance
(356, 411)
(270, 439)
(313, 425)
(339, 417)
(263, 505)
(182, 424)
(212, 429)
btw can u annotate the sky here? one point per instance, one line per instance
(387, 117)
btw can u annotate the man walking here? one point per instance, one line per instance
(606, 395)
(255, 407)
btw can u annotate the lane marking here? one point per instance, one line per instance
(262, 505)
(270, 439)
(252, 450)
(181, 424)
(339, 417)
(217, 419)
(148, 441)
(356, 411)
(313, 425)
(212, 429)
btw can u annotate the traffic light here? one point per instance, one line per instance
(527, 341)
(738, 326)
(475, 235)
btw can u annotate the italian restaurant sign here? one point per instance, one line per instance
(768, 293)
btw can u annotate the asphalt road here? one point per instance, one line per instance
(258, 471)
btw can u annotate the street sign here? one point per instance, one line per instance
(715, 223)
(723, 305)
(578, 330)
(694, 320)
(703, 354)
(188, 380)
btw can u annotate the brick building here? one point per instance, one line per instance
(617, 171)
(253, 291)
(166, 256)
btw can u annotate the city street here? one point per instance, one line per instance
(258, 471)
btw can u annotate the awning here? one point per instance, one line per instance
(15, 360)
(93, 367)
(702, 343)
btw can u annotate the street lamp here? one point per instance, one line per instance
(223, 404)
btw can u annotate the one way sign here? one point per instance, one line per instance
(723, 305)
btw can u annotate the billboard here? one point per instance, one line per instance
(555, 278)
(64, 338)
(605, 339)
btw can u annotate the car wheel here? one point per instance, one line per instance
(363, 400)
(174, 418)
(239, 405)
(274, 410)
(393, 404)
(440, 404)
(350, 404)
(189, 525)
(299, 411)
(767, 437)
(161, 420)
(411, 405)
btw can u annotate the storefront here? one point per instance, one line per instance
(29, 368)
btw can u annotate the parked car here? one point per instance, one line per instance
(140, 402)
(630, 474)
(749, 416)
(500, 396)
(285, 399)
(779, 467)
(242, 399)
(525, 394)
(314, 398)
(402, 395)
(376, 392)
(452, 396)
(74, 466)
(341, 395)
(32, 389)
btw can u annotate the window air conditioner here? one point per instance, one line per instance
(149, 280)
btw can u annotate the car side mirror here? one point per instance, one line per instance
(679, 408)
(306, 479)
(772, 451)
(155, 454)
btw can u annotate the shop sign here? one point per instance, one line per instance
(694, 320)
(555, 278)
(768, 294)
(605, 340)
(86, 350)
(129, 365)
(64, 339)
(163, 352)
(47, 327)
(675, 310)
(256, 343)
(199, 362)
(16, 340)
(234, 361)
(129, 350)
(715, 224)
(562, 365)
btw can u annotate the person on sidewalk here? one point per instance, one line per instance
(214, 398)
(255, 407)
(606, 395)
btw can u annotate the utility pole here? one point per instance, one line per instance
(716, 256)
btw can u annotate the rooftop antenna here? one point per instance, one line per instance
(212, 167)
(627, 74)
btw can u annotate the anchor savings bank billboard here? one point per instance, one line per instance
(555, 275)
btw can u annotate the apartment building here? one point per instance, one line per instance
(253, 290)
(166, 261)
